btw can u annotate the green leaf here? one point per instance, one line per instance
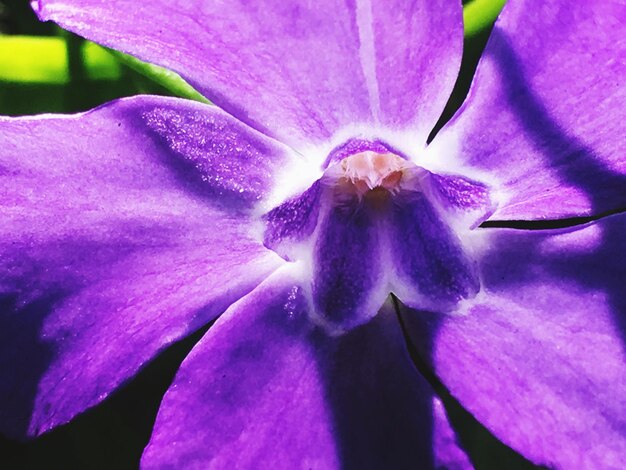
(479, 15)
(43, 59)
(166, 78)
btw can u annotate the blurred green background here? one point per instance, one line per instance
(44, 69)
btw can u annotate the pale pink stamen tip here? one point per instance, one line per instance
(370, 170)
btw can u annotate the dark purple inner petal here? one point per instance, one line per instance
(427, 252)
(347, 263)
(294, 220)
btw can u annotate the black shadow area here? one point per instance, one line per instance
(23, 366)
(111, 435)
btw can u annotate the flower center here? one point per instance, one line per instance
(377, 223)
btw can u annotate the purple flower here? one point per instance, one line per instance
(299, 206)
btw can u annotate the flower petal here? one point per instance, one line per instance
(266, 388)
(294, 221)
(232, 163)
(348, 281)
(107, 255)
(432, 268)
(297, 71)
(538, 357)
(549, 134)
(448, 453)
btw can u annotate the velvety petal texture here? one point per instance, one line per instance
(544, 115)
(348, 279)
(293, 222)
(265, 388)
(467, 202)
(433, 270)
(538, 356)
(283, 67)
(230, 162)
(110, 249)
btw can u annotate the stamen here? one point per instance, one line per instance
(365, 171)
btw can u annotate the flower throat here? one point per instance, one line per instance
(373, 224)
